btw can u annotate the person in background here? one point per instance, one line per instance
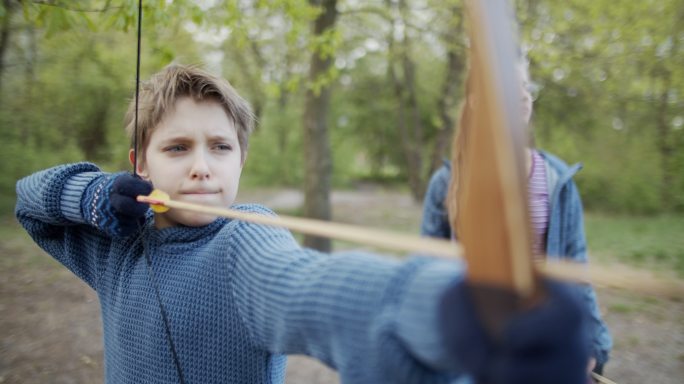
(555, 209)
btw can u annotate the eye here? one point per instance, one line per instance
(175, 148)
(223, 147)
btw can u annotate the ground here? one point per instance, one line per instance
(50, 322)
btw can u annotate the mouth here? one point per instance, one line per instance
(200, 192)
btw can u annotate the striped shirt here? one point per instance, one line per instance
(538, 203)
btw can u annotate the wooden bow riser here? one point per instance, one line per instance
(493, 198)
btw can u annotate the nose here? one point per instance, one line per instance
(200, 167)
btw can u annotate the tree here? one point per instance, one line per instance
(452, 86)
(402, 75)
(317, 157)
(6, 11)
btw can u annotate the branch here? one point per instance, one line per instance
(372, 10)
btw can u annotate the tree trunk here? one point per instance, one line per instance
(4, 36)
(31, 57)
(665, 141)
(411, 153)
(284, 124)
(417, 133)
(447, 109)
(665, 147)
(283, 132)
(451, 86)
(409, 124)
(252, 73)
(317, 157)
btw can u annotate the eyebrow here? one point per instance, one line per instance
(222, 138)
(185, 138)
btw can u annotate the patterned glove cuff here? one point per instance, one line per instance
(99, 212)
(93, 201)
(73, 193)
(96, 207)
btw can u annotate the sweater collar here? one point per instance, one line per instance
(181, 235)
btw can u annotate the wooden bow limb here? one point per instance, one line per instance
(562, 270)
(491, 210)
(487, 197)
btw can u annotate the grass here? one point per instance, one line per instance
(636, 304)
(652, 242)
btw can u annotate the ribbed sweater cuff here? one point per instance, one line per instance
(72, 195)
(418, 316)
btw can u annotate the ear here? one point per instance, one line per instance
(140, 166)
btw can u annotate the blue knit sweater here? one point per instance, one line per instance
(240, 296)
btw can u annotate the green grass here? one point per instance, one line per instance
(636, 304)
(650, 242)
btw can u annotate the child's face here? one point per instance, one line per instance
(194, 156)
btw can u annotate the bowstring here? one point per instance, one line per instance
(137, 91)
(148, 262)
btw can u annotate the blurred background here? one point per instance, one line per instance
(356, 104)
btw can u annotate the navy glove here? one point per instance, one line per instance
(546, 344)
(109, 203)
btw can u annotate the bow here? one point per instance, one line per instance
(492, 216)
(492, 219)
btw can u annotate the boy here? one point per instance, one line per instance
(193, 298)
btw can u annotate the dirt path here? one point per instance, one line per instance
(50, 323)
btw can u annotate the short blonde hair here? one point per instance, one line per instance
(159, 95)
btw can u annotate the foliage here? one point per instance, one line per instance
(610, 81)
(65, 88)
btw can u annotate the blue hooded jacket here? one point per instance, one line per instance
(565, 238)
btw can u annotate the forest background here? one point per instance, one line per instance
(352, 91)
(356, 100)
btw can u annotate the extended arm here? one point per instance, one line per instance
(372, 318)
